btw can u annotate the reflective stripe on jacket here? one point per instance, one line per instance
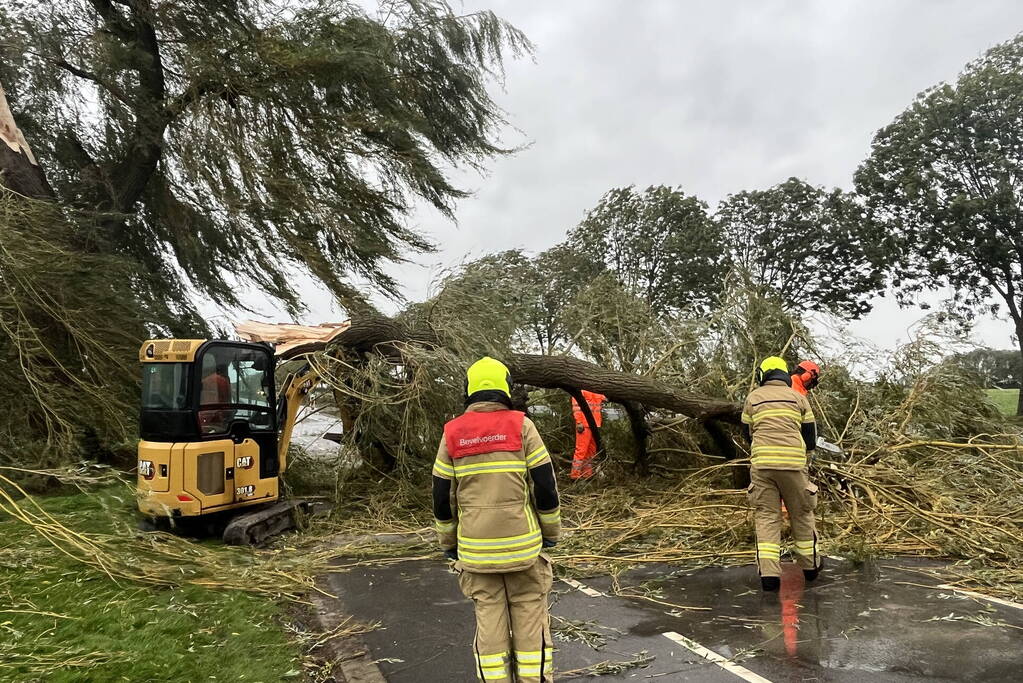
(496, 524)
(775, 414)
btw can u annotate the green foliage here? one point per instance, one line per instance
(614, 327)
(799, 242)
(69, 334)
(521, 301)
(98, 629)
(942, 185)
(660, 244)
(496, 294)
(231, 143)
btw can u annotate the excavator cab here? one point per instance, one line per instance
(210, 428)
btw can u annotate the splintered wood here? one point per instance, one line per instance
(291, 340)
(9, 132)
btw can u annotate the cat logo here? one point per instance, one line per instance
(244, 463)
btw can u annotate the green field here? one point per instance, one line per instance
(1005, 399)
(63, 621)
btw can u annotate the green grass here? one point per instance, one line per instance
(119, 631)
(1005, 399)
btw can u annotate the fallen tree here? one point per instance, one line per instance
(377, 333)
(400, 344)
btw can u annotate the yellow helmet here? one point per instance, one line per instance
(774, 363)
(771, 363)
(488, 374)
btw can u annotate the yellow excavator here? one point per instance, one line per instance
(215, 431)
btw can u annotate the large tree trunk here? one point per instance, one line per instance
(1019, 343)
(375, 332)
(555, 372)
(19, 170)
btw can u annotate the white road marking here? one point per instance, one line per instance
(584, 588)
(981, 596)
(740, 671)
(729, 666)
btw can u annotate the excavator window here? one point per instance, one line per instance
(164, 386)
(235, 387)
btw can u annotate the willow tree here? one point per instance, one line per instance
(194, 150)
(230, 145)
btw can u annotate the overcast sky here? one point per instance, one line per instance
(713, 97)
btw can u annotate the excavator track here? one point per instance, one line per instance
(254, 528)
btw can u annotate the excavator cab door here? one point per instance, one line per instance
(236, 403)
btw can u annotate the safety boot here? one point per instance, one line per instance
(811, 574)
(770, 584)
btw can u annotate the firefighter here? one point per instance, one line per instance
(585, 442)
(495, 505)
(781, 428)
(806, 376)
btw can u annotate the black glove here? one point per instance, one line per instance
(451, 554)
(548, 543)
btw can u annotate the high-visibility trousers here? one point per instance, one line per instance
(585, 450)
(513, 626)
(767, 492)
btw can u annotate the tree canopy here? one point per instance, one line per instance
(800, 243)
(231, 143)
(943, 183)
(659, 243)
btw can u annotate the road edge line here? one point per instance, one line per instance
(708, 654)
(981, 596)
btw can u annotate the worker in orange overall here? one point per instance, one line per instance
(805, 376)
(585, 443)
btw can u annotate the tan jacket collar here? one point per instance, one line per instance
(486, 407)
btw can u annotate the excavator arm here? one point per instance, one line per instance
(293, 393)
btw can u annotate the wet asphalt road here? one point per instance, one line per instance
(856, 623)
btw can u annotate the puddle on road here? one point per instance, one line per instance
(854, 623)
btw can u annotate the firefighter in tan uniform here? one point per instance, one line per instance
(495, 505)
(781, 428)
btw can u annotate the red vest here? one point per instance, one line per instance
(476, 433)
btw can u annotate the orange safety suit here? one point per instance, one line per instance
(805, 377)
(585, 443)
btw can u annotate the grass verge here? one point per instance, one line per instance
(63, 621)
(1005, 399)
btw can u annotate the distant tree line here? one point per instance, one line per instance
(999, 369)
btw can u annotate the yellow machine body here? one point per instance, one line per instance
(214, 432)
